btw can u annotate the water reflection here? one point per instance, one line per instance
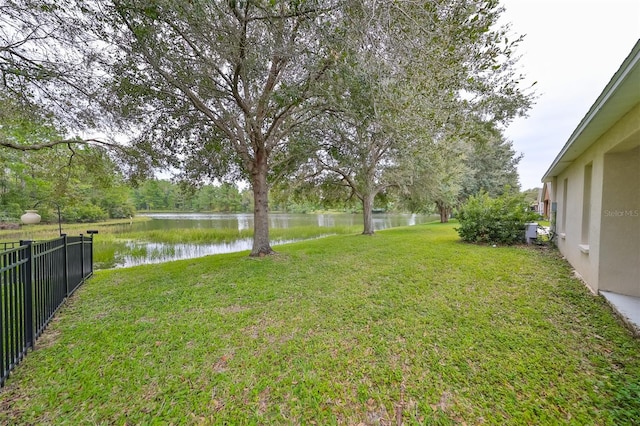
(243, 222)
(326, 220)
(146, 253)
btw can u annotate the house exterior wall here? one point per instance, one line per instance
(620, 224)
(578, 223)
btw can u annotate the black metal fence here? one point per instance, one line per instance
(35, 280)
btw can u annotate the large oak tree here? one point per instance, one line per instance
(212, 87)
(224, 83)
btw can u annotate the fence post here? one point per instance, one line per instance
(27, 280)
(82, 256)
(91, 254)
(92, 239)
(66, 265)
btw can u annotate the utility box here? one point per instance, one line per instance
(530, 232)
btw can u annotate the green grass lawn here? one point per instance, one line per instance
(409, 325)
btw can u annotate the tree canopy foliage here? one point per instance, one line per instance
(357, 93)
(81, 180)
(414, 100)
(87, 189)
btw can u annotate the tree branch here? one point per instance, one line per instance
(51, 144)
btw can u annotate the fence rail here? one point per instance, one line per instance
(35, 280)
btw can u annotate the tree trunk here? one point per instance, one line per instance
(367, 211)
(261, 243)
(444, 211)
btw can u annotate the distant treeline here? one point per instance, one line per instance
(165, 195)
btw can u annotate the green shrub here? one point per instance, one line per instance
(494, 220)
(120, 211)
(83, 213)
(10, 212)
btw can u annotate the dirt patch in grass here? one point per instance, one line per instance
(49, 338)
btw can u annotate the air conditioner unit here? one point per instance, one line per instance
(530, 232)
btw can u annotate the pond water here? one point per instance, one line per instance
(242, 221)
(131, 253)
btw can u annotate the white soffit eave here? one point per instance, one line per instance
(620, 95)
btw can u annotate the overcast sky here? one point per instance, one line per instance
(571, 48)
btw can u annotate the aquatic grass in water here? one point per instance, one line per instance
(218, 235)
(157, 246)
(134, 253)
(177, 236)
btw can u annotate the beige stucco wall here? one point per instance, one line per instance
(596, 265)
(620, 224)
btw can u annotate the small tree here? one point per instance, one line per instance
(494, 220)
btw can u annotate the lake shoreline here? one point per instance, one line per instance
(158, 237)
